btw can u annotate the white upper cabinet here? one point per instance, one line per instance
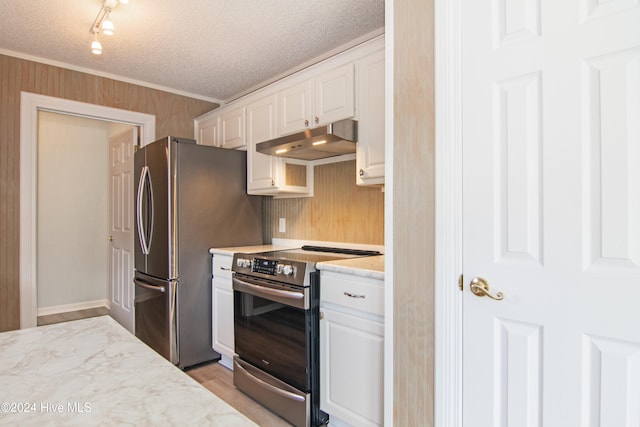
(347, 85)
(207, 129)
(270, 175)
(327, 97)
(295, 108)
(223, 127)
(334, 95)
(261, 126)
(232, 127)
(371, 129)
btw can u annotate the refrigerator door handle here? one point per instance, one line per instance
(144, 183)
(149, 286)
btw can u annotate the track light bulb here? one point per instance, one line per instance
(107, 26)
(96, 47)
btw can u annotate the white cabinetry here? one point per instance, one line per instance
(352, 348)
(207, 129)
(224, 127)
(347, 85)
(261, 126)
(270, 175)
(232, 128)
(371, 129)
(222, 307)
(327, 97)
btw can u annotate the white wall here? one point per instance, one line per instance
(72, 210)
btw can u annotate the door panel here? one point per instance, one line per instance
(551, 144)
(121, 149)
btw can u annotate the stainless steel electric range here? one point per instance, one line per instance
(276, 326)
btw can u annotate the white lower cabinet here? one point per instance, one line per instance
(351, 349)
(222, 308)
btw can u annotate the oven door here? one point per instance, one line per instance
(272, 324)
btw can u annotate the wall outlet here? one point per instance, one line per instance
(282, 225)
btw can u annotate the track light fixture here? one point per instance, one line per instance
(96, 47)
(103, 23)
(107, 26)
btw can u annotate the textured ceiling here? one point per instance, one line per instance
(213, 49)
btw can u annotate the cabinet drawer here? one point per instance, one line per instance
(222, 266)
(366, 295)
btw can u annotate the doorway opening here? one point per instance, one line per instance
(31, 105)
(75, 209)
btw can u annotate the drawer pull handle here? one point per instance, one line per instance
(225, 269)
(350, 295)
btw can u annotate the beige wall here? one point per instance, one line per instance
(413, 213)
(174, 116)
(72, 209)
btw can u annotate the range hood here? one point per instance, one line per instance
(334, 139)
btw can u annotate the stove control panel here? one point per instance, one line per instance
(282, 270)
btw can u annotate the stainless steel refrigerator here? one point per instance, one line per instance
(189, 198)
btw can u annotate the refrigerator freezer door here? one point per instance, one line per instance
(155, 309)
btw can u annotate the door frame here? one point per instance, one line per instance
(30, 104)
(448, 210)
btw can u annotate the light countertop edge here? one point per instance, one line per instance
(371, 267)
(248, 249)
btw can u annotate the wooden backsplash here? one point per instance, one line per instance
(340, 211)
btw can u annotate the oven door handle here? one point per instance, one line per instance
(290, 298)
(260, 382)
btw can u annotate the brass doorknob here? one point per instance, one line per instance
(480, 287)
(111, 238)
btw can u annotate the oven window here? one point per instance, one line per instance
(273, 337)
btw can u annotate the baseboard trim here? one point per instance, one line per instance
(57, 309)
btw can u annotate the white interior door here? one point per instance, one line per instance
(121, 148)
(551, 216)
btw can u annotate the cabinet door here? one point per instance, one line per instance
(232, 128)
(222, 309)
(295, 108)
(334, 95)
(207, 130)
(351, 368)
(371, 130)
(261, 126)
(223, 319)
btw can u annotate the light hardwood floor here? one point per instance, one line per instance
(219, 380)
(215, 377)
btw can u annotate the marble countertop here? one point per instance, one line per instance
(371, 267)
(94, 372)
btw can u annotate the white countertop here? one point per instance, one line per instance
(248, 249)
(94, 372)
(371, 266)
